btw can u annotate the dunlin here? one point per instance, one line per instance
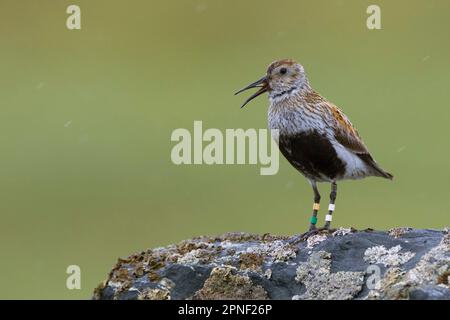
(314, 135)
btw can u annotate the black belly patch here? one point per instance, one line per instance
(312, 154)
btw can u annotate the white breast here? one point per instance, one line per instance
(292, 120)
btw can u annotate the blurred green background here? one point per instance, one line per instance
(86, 119)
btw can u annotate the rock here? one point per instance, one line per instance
(226, 283)
(321, 283)
(403, 263)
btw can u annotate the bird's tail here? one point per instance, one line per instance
(377, 170)
(383, 174)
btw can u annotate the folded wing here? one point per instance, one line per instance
(346, 134)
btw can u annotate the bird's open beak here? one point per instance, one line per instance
(261, 83)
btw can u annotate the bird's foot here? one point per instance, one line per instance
(313, 230)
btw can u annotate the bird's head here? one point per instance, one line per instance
(282, 77)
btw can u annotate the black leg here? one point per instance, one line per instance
(316, 206)
(331, 207)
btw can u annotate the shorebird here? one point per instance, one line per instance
(313, 134)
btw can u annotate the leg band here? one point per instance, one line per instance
(331, 207)
(316, 206)
(328, 217)
(313, 220)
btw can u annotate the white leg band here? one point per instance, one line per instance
(331, 207)
(328, 217)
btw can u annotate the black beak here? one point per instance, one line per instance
(261, 83)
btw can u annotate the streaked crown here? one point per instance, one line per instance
(284, 76)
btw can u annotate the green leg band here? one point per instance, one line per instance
(313, 220)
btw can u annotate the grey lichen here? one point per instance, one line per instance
(276, 251)
(432, 268)
(315, 239)
(387, 257)
(194, 257)
(320, 283)
(343, 232)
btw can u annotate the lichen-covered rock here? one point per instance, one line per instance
(428, 279)
(322, 284)
(398, 232)
(403, 263)
(388, 257)
(224, 283)
(154, 294)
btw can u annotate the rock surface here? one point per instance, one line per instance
(402, 263)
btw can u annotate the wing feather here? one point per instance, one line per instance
(347, 135)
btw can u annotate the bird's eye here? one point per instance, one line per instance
(283, 70)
